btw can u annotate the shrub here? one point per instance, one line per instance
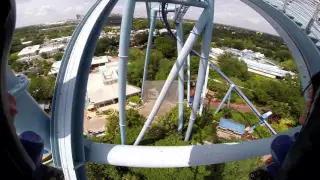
(134, 99)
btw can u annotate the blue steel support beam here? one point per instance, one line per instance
(202, 67)
(69, 98)
(201, 4)
(126, 25)
(203, 95)
(229, 99)
(188, 80)
(53, 124)
(153, 19)
(199, 26)
(180, 76)
(237, 90)
(149, 47)
(225, 98)
(178, 156)
(148, 8)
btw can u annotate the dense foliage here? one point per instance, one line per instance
(107, 46)
(41, 87)
(232, 67)
(134, 99)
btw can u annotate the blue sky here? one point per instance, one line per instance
(231, 12)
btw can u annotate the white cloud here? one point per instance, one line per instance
(68, 9)
(79, 8)
(45, 10)
(29, 12)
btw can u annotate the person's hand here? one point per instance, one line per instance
(303, 117)
(268, 159)
(12, 106)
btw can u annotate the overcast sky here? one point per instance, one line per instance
(231, 12)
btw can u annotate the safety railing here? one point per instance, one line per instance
(305, 13)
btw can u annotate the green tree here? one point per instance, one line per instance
(13, 57)
(44, 65)
(165, 45)
(134, 99)
(238, 44)
(138, 24)
(18, 66)
(101, 171)
(289, 65)
(236, 170)
(136, 54)
(283, 55)
(135, 72)
(194, 66)
(41, 87)
(38, 40)
(16, 45)
(134, 122)
(58, 56)
(233, 67)
(106, 45)
(44, 55)
(165, 66)
(141, 38)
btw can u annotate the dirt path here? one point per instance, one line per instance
(237, 107)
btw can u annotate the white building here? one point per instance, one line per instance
(52, 49)
(60, 40)
(217, 51)
(257, 63)
(96, 61)
(111, 34)
(109, 72)
(29, 58)
(259, 55)
(102, 88)
(28, 53)
(26, 42)
(161, 31)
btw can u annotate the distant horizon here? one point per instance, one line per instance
(234, 26)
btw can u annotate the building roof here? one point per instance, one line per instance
(98, 92)
(113, 59)
(99, 60)
(29, 50)
(95, 60)
(51, 48)
(229, 124)
(217, 51)
(26, 42)
(266, 68)
(60, 39)
(163, 30)
(28, 58)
